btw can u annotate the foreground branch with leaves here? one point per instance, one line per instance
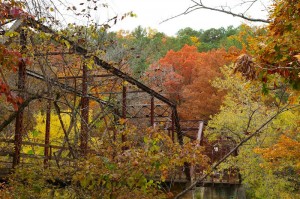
(111, 172)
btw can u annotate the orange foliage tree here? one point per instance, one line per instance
(282, 154)
(201, 99)
(185, 77)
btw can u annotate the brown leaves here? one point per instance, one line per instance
(245, 65)
(277, 51)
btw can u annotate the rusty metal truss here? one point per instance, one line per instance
(61, 82)
(120, 96)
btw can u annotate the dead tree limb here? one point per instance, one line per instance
(6, 122)
(232, 151)
(57, 109)
(199, 5)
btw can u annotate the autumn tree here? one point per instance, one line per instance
(10, 59)
(185, 77)
(174, 71)
(201, 99)
(244, 110)
(112, 172)
(277, 51)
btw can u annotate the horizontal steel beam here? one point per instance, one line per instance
(64, 86)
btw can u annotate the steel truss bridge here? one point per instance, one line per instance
(58, 81)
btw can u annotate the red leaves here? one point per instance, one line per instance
(182, 61)
(3, 87)
(15, 12)
(12, 9)
(9, 60)
(201, 99)
(11, 97)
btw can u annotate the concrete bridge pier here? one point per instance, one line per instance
(217, 192)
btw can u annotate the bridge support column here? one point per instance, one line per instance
(19, 128)
(199, 141)
(124, 108)
(173, 126)
(152, 112)
(84, 112)
(47, 133)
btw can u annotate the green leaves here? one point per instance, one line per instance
(30, 152)
(265, 89)
(66, 43)
(244, 110)
(35, 133)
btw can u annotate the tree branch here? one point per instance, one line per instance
(57, 109)
(231, 152)
(199, 5)
(6, 122)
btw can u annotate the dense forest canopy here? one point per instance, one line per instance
(243, 82)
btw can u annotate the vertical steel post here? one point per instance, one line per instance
(116, 113)
(19, 129)
(177, 125)
(152, 112)
(199, 143)
(47, 133)
(84, 112)
(124, 108)
(173, 126)
(200, 136)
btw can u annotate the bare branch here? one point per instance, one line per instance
(250, 120)
(199, 5)
(187, 11)
(252, 3)
(6, 122)
(232, 151)
(64, 129)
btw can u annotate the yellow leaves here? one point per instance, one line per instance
(133, 14)
(90, 63)
(43, 36)
(247, 86)
(66, 43)
(11, 34)
(151, 32)
(164, 175)
(286, 120)
(125, 83)
(195, 40)
(298, 57)
(122, 121)
(286, 152)
(38, 133)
